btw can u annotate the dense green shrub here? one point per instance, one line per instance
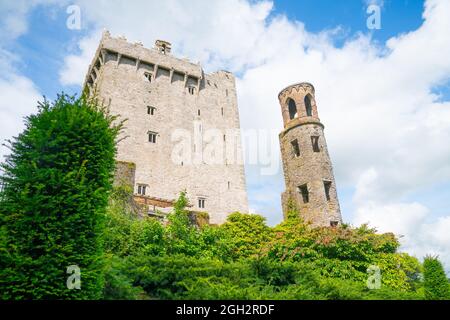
(128, 234)
(183, 277)
(57, 182)
(118, 284)
(436, 284)
(246, 233)
(181, 236)
(344, 252)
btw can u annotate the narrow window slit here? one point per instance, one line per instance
(303, 190)
(295, 148)
(315, 143)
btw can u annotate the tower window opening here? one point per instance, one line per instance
(292, 109)
(191, 89)
(198, 112)
(201, 203)
(308, 105)
(315, 143)
(152, 137)
(303, 189)
(151, 110)
(334, 223)
(141, 189)
(222, 111)
(327, 186)
(229, 185)
(295, 147)
(148, 76)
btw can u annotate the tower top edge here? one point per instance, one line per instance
(295, 85)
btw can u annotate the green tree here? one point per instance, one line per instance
(57, 181)
(127, 233)
(436, 285)
(246, 233)
(181, 235)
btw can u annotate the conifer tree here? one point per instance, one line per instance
(435, 281)
(57, 180)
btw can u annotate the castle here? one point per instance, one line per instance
(176, 114)
(308, 173)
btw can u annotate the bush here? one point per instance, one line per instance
(126, 233)
(436, 284)
(246, 233)
(57, 182)
(118, 285)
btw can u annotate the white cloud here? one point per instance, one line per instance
(419, 233)
(401, 218)
(217, 33)
(18, 93)
(19, 99)
(75, 66)
(14, 16)
(13, 22)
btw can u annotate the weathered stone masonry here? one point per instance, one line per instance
(308, 171)
(158, 93)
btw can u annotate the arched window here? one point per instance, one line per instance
(292, 109)
(308, 105)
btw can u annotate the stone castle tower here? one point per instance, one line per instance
(308, 172)
(173, 110)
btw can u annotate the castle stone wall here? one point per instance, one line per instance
(119, 75)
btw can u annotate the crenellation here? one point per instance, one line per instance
(150, 55)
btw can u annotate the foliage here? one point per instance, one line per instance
(184, 277)
(436, 285)
(181, 235)
(118, 286)
(399, 271)
(246, 233)
(246, 259)
(57, 182)
(127, 234)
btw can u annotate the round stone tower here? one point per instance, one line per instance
(308, 173)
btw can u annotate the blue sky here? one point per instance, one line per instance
(387, 149)
(398, 16)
